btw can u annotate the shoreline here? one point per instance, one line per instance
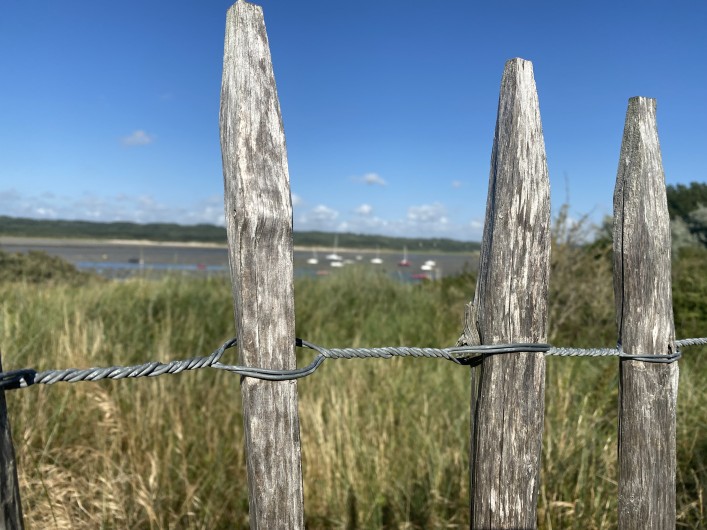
(92, 242)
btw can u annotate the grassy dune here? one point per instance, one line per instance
(385, 442)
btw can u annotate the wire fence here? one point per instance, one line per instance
(462, 355)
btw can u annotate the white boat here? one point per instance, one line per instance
(334, 256)
(428, 265)
(377, 260)
(313, 260)
(337, 264)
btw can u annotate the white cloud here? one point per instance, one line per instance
(138, 137)
(46, 212)
(372, 224)
(321, 213)
(421, 220)
(9, 196)
(364, 209)
(296, 200)
(428, 213)
(209, 210)
(372, 179)
(320, 217)
(146, 201)
(121, 207)
(456, 184)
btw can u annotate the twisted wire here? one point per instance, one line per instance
(691, 342)
(465, 355)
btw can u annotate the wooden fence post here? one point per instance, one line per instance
(644, 309)
(10, 503)
(259, 223)
(510, 305)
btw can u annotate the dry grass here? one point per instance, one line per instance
(385, 442)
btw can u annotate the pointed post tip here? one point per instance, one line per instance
(519, 69)
(241, 3)
(519, 61)
(642, 100)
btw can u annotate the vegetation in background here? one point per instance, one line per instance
(384, 442)
(683, 200)
(20, 227)
(687, 206)
(39, 267)
(57, 228)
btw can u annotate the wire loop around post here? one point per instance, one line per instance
(463, 355)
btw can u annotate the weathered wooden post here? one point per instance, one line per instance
(644, 309)
(510, 305)
(10, 503)
(259, 223)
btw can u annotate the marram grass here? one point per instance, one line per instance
(384, 442)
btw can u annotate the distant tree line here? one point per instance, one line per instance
(21, 227)
(687, 206)
(205, 233)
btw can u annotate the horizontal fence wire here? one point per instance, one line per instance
(463, 355)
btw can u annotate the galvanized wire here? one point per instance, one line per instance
(465, 355)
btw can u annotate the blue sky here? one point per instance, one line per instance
(109, 111)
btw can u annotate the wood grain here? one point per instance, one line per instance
(259, 224)
(642, 287)
(10, 503)
(510, 305)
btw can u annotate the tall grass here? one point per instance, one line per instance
(385, 442)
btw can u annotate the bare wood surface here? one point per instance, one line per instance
(259, 226)
(11, 513)
(642, 286)
(510, 305)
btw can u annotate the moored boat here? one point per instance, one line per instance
(405, 262)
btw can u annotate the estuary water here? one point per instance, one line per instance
(126, 259)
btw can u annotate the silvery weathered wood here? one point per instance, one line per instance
(510, 305)
(10, 503)
(259, 224)
(642, 287)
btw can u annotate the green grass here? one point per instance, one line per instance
(384, 442)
